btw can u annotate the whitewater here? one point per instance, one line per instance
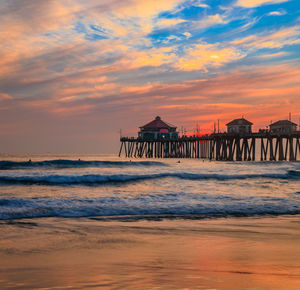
(110, 187)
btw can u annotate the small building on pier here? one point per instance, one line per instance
(158, 129)
(239, 126)
(283, 127)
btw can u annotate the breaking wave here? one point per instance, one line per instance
(181, 205)
(98, 179)
(61, 163)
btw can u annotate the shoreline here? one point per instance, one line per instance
(153, 217)
(246, 252)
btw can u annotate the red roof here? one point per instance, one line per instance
(158, 123)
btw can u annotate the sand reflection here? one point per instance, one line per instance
(87, 253)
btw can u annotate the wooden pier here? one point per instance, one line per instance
(219, 147)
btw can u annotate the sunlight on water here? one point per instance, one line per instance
(175, 254)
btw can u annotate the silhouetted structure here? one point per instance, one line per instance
(283, 127)
(158, 129)
(223, 146)
(239, 126)
(239, 144)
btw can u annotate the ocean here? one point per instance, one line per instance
(99, 221)
(35, 186)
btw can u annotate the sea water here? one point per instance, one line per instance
(35, 186)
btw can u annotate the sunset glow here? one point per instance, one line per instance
(73, 73)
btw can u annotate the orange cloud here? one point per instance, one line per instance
(5, 97)
(273, 55)
(255, 3)
(202, 56)
(66, 111)
(262, 94)
(277, 39)
(151, 57)
(169, 22)
(139, 89)
(144, 9)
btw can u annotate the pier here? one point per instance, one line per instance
(217, 146)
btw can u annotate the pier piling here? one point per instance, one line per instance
(220, 147)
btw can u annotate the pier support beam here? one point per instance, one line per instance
(217, 147)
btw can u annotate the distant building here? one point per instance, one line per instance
(283, 126)
(158, 129)
(239, 126)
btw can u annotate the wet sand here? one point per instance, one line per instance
(167, 254)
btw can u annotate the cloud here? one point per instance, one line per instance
(5, 97)
(202, 5)
(137, 8)
(210, 20)
(277, 39)
(140, 89)
(29, 17)
(261, 93)
(277, 13)
(151, 57)
(203, 56)
(255, 3)
(37, 26)
(168, 22)
(140, 16)
(187, 34)
(71, 110)
(273, 55)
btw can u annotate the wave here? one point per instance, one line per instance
(97, 179)
(62, 163)
(167, 205)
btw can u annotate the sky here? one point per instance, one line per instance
(73, 72)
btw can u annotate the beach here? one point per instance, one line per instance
(86, 253)
(100, 221)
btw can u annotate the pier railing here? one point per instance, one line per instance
(221, 146)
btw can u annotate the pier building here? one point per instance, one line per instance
(283, 127)
(158, 129)
(239, 126)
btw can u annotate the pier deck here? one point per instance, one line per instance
(221, 146)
